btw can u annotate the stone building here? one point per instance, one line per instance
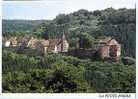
(108, 48)
(49, 45)
(40, 45)
(58, 45)
(12, 42)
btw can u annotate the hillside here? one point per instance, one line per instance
(12, 27)
(29, 71)
(120, 24)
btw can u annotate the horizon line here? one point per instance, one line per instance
(49, 19)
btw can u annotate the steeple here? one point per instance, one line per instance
(64, 43)
(63, 36)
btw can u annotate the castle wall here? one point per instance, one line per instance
(81, 53)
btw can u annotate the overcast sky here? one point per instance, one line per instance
(49, 9)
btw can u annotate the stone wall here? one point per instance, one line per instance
(82, 53)
(90, 54)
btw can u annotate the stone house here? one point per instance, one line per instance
(12, 42)
(40, 45)
(22, 43)
(108, 48)
(58, 45)
(49, 45)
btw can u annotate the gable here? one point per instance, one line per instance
(113, 42)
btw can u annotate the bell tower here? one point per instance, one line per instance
(64, 43)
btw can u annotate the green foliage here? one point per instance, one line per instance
(58, 74)
(128, 60)
(120, 24)
(86, 40)
(16, 62)
(114, 77)
(61, 77)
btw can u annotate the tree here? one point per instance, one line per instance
(85, 40)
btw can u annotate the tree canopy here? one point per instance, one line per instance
(119, 24)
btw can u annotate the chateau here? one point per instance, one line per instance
(107, 47)
(103, 48)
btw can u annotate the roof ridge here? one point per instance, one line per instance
(110, 40)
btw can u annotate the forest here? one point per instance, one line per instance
(58, 73)
(119, 24)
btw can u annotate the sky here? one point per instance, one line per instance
(49, 9)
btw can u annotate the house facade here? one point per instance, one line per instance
(12, 42)
(58, 45)
(40, 45)
(107, 48)
(49, 45)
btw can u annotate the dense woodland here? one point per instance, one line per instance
(63, 74)
(119, 24)
(58, 73)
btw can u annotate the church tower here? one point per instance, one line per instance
(64, 43)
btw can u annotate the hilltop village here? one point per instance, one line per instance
(81, 52)
(104, 48)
